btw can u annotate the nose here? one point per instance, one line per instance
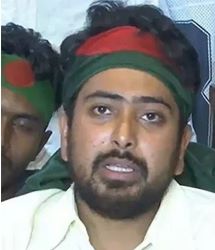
(124, 135)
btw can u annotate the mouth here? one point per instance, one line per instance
(119, 169)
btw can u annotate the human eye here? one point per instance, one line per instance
(25, 125)
(101, 110)
(152, 117)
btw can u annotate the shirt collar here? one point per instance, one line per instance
(170, 229)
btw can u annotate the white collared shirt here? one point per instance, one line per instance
(47, 220)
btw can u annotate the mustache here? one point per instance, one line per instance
(140, 162)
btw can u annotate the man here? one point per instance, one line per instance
(29, 66)
(127, 97)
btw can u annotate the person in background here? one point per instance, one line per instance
(129, 80)
(30, 94)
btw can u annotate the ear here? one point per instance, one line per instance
(186, 137)
(63, 125)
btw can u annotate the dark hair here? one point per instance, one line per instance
(29, 44)
(104, 15)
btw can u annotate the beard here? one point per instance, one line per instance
(119, 199)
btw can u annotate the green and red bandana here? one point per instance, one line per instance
(125, 47)
(17, 76)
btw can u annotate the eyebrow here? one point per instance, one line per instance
(135, 99)
(30, 117)
(150, 99)
(103, 94)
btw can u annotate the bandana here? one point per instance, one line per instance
(125, 47)
(17, 76)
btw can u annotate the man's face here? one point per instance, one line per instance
(22, 136)
(123, 144)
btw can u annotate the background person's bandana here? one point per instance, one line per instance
(17, 76)
(125, 47)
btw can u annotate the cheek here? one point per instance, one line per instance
(158, 149)
(24, 148)
(88, 144)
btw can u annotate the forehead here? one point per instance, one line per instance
(128, 83)
(15, 104)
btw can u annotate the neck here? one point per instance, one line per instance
(10, 191)
(105, 233)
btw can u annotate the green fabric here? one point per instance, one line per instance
(199, 171)
(84, 67)
(40, 94)
(54, 174)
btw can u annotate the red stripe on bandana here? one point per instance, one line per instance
(124, 38)
(19, 73)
